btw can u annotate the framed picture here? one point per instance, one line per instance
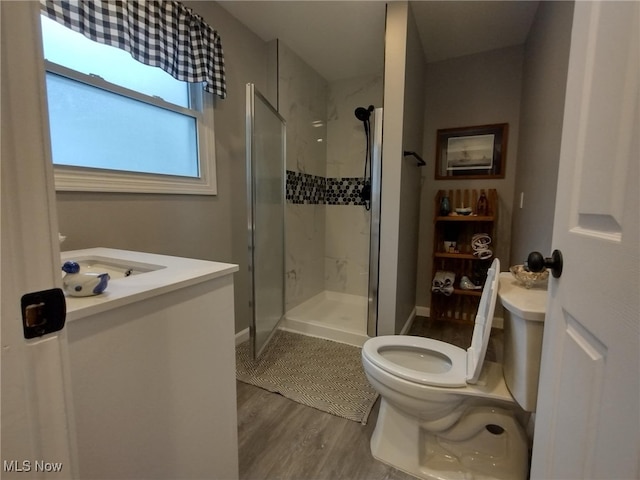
(471, 152)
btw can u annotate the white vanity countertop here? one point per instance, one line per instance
(177, 273)
(530, 304)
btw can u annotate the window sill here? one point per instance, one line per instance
(70, 179)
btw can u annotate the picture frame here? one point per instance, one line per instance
(471, 152)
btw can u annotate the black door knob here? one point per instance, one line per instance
(537, 263)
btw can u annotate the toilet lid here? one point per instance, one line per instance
(484, 319)
(417, 359)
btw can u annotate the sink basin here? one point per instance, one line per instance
(116, 268)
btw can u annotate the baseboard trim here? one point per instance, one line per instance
(409, 322)
(242, 336)
(498, 322)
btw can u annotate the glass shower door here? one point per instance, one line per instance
(374, 238)
(265, 132)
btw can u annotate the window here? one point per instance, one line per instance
(119, 125)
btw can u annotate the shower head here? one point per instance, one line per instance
(363, 114)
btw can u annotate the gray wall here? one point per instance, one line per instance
(477, 89)
(413, 126)
(542, 108)
(402, 130)
(187, 225)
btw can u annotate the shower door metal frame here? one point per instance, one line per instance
(251, 94)
(374, 237)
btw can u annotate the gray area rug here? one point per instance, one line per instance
(318, 373)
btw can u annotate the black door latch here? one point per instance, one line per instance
(43, 312)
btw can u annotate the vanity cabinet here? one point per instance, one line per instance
(454, 253)
(152, 369)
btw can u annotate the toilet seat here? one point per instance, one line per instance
(436, 363)
(427, 361)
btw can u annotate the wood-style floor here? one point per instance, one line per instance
(281, 439)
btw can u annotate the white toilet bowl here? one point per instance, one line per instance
(445, 413)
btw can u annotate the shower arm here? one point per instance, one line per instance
(421, 162)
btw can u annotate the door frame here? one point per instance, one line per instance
(37, 410)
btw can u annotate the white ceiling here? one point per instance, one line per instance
(344, 39)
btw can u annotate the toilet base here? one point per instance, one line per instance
(486, 443)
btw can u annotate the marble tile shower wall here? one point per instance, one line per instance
(327, 237)
(345, 133)
(347, 222)
(302, 101)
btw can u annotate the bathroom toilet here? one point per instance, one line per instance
(445, 413)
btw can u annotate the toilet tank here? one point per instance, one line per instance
(524, 312)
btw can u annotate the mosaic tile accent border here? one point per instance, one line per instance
(344, 191)
(303, 188)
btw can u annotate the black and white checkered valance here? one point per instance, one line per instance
(163, 34)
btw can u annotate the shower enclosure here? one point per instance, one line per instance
(345, 309)
(324, 282)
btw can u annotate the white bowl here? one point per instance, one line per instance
(464, 211)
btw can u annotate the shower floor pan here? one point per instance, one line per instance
(335, 316)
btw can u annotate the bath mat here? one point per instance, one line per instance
(318, 373)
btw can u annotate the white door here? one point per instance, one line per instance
(37, 424)
(588, 419)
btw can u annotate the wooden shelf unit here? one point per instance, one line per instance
(461, 305)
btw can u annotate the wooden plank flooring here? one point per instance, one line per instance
(281, 439)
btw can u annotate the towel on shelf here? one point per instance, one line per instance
(438, 281)
(449, 278)
(443, 282)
